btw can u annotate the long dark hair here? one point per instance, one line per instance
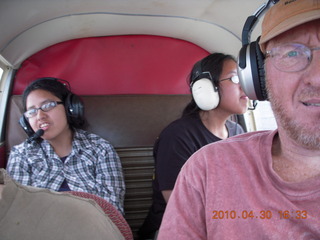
(212, 63)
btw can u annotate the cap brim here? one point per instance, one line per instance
(289, 24)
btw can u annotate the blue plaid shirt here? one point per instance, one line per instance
(93, 166)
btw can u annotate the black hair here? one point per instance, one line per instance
(212, 63)
(61, 91)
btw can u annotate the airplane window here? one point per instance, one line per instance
(261, 118)
(264, 116)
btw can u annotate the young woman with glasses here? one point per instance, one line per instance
(65, 157)
(196, 128)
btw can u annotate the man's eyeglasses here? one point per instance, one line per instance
(291, 57)
(234, 79)
(46, 107)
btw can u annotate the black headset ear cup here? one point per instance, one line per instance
(262, 92)
(251, 71)
(74, 106)
(24, 123)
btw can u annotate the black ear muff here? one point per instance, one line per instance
(24, 123)
(261, 83)
(74, 107)
(251, 71)
(203, 89)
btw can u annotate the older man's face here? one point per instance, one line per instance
(295, 96)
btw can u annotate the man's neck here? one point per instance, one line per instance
(293, 163)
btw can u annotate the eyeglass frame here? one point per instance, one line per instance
(40, 108)
(230, 78)
(309, 55)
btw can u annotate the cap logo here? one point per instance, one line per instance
(287, 2)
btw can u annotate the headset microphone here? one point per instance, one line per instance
(254, 104)
(35, 136)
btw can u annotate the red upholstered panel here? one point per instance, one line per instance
(110, 211)
(133, 64)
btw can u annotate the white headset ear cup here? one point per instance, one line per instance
(205, 94)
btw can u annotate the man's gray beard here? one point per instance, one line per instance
(306, 135)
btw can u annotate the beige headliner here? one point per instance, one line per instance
(27, 26)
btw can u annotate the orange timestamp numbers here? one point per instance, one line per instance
(263, 214)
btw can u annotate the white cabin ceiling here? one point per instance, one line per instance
(27, 26)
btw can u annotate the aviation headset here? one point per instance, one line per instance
(72, 103)
(251, 59)
(204, 91)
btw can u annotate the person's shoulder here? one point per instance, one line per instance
(245, 141)
(181, 125)
(89, 138)
(239, 143)
(249, 136)
(235, 147)
(21, 146)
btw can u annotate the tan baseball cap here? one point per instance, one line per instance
(287, 14)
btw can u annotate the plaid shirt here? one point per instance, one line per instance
(93, 166)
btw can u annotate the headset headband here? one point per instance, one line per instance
(250, 25)
(251, 59)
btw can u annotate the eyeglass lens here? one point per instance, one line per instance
(45, 107)
(292, 57)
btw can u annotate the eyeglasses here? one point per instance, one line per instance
(291, 57)
(45, 107)
(234, 79)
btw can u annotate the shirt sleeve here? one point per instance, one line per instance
(18, 167)
(109, 176)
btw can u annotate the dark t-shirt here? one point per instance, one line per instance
(176, 143)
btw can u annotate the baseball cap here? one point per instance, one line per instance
(285, 15)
